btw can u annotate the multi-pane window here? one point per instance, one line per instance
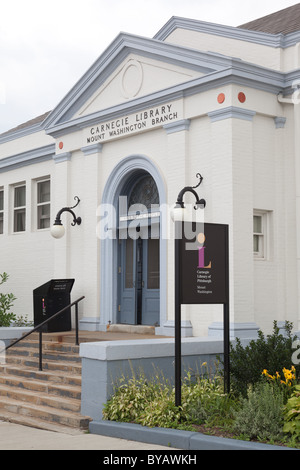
(20, 208)
(43, 204)
(259, 235)
(1, 210)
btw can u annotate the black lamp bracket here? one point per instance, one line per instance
(191, 189)
(76, 220)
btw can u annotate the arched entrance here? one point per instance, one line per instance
(139, 251)
(133, 269)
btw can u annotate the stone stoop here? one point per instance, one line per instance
(49, 399)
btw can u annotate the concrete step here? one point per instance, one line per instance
(38, 423)
(41, 386)
(32, 351)
(33, 362)
(45, 413)
(62, 377)
(38, 398)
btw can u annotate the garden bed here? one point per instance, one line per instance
(263, 407)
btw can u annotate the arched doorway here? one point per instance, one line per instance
(119, 186)
(139, 251)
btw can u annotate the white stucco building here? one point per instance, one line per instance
(146, 117)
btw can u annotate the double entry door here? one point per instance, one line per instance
(139, 281)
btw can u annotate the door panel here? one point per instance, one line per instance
(139, 281)
(150, 307)
(127, 274)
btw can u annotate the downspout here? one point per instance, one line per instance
(295, 100)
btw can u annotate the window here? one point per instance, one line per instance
(19, 208)
(144, 192)
(260, 223)
(43, 204)
(1, 210)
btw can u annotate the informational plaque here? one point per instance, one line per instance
(204, 263)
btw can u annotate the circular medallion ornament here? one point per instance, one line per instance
(242, 97)
(131, 78)
(221, 98)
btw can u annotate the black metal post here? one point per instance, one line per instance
(226, 348)
(40, 350)
(177, 315)
(226, 322)
(76, 322)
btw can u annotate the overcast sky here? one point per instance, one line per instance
(45, 47)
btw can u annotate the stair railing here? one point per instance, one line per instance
(39, 328)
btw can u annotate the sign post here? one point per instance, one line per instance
(201, 277)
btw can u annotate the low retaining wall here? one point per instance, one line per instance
(105, 362)
(11, 333)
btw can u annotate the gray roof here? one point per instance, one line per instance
(284, 21)
(24, 125)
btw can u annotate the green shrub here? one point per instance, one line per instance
(272, 352)
(152, 402)
(292, 415)
(6, 302)
(260, 416)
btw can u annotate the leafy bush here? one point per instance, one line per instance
(272, 352)
(292, 415)
(6, 302)
(152, 402)
(260, 416)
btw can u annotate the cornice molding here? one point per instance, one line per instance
(257, 37)
(231, 112)
(30, 157)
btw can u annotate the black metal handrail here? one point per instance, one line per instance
(39, 328)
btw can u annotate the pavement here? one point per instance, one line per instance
(18, 437)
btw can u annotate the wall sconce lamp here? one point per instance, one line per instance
(178, 211)
(57, 229)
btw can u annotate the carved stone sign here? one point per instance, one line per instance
(133, 123)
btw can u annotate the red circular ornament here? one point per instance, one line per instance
(242, 97)
(60, 145)
(221, 98)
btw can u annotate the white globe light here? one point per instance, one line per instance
(177, 214)
(57, 231)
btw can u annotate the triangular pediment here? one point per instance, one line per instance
(131, 68)
(136, 77)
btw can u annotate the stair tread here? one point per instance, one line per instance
(73, 418)
(40, 373)
(37, 385)
(35, 397)
(38, 423)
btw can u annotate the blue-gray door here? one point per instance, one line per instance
(139, 281)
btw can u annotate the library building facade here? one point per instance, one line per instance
(147, 118)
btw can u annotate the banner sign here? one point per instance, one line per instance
(204, 264)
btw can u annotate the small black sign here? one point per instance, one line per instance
(204, 263)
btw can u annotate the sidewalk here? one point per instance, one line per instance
(17, 437)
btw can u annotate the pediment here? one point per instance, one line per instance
(131, 68)
(136, 77)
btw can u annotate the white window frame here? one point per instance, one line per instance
(18, 208)
(40, 204)
(263, 241)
